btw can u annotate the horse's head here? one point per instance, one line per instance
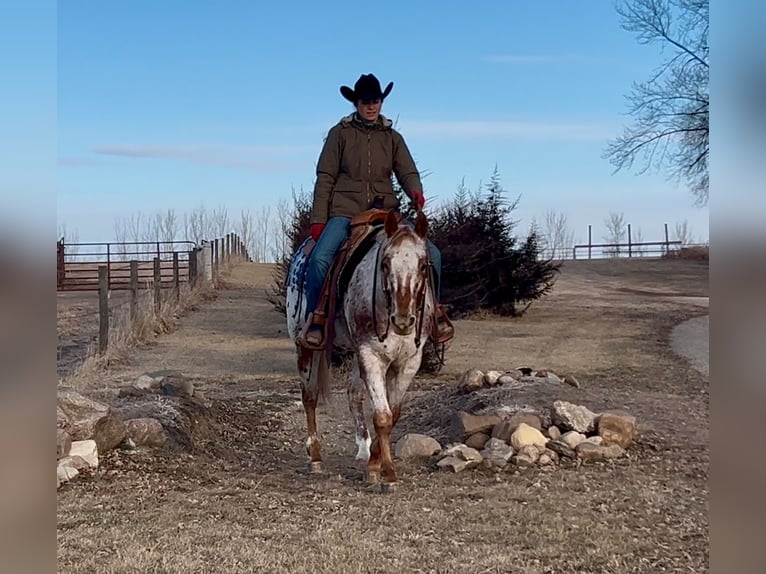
(405, 271)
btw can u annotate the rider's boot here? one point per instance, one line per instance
(443, 330)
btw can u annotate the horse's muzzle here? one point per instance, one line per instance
(403, 325)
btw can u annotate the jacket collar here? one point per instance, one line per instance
(351, 120)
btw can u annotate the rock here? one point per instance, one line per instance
(414, 445)
(545, 460)
(86, 450)
(472, 380)
(616, 427)
(463, 452)
(146, 432)
(549, 376)
(77, 462)
(571, 381)
(568, 416)
(177, 387)
(503, 431)
(147, 383)
(597, 440)
(591, 452)
(561, 449)
(527, 456)
(554, 432)
(496, 454)
(477, 440)
(65, 471)
(492, 378)
(507, 379)
(551, 454)
(572, 439)
(63, 443)
(465, 424)
(89, 419)
(530, 419)
(526, 435)
(452, 463)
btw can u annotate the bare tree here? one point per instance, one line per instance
(671, 108)
(245, 231)
(683, 232)
(557, 234)
(616, 230)
(638, 237)
(70, 237)
(219, 224)
(281, 238)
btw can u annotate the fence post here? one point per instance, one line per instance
(103, 309)
(215, 259)
(667, 240)
(193, 268)
(60, 265)
(227, 253)
(590, 242)
(133, 289)
(157, 285)
(176, 276)
(630, 244)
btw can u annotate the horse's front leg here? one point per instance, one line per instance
(373, 372)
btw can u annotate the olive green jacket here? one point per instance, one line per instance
(356, 164)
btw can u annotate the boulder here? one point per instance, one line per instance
(572, 439)
(477, 440)
(526, 435)
(471, 381)
(414, 445)
(465, 424)
(90, 419)
(87, 450)
(588, 451)
(568, 416)
(146, 432)
(616, 427)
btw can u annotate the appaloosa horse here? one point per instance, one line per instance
(383, 317)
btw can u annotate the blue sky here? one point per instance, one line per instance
(175, 104)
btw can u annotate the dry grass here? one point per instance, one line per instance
(238, 499)
(693, 253)
(125, 334)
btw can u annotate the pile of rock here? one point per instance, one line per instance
(520, 439)
(86, 428)
(476, 379)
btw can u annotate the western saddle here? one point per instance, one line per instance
(361, 238)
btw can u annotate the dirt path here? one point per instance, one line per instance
(240, 501)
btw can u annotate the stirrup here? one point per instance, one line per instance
(315, 322)
(446, 331)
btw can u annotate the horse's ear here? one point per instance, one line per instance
(392, 223)
(421, 225)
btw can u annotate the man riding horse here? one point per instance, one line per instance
(354, 175)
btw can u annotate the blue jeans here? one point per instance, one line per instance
(335, 233)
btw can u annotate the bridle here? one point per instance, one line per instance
(420, 299)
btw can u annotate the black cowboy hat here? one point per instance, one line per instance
(367, 87)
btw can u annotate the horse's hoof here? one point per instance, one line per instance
(315, 467)
(388, 487)
(372, 477)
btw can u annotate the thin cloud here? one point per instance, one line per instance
(521, 131)
(532, 59)
(253, 158)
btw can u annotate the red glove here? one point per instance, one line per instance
(316, 230)
(418, 198)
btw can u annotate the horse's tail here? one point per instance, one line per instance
(322, 376)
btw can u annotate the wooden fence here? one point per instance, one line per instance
(133, 266)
